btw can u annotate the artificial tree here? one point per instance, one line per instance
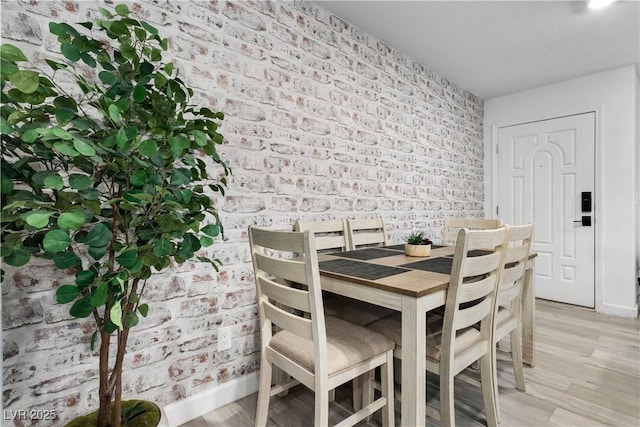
(113, 178)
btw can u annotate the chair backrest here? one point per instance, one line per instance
(472, 289)
(330, 236)
(453, 225)
(515, 260)
(281, 258)
(366, 232)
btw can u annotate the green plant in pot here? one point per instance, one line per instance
(418, 244)
(113, 178)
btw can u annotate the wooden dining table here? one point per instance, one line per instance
(385, 276)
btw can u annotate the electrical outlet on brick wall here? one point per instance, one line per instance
(224, 338)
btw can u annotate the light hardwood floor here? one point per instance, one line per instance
(587, 374)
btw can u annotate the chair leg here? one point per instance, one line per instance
(264, 392)
(494, 374)
(488, 388)
(447, 409)
(386, 375)
(358, 395)
(322, 408)
(516, 358)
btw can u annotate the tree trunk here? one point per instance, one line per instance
(104, 391)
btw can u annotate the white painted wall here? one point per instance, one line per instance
(613, 95)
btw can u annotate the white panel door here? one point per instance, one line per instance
(543, 169)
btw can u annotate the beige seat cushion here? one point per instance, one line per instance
(354, 311)
(505, 322)
(347, 345)
(392, 327)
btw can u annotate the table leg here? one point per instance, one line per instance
(528, 315)
(413, 362)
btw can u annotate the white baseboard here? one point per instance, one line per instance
(197, 405)
(619, 310)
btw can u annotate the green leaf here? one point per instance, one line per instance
(114, 113)
(61, 29)
(81, 308)
(79, 181)
(5, 127)
(151, 29)
(37, 219)
(212, 230)
(107, 77)
(128, 258)
(105, 13)
(70, 52)
(143, 309)
(99, 295)
(100, 235)
(17, 258)
(163, 247)
(66, 259)
(94, 337)
(115, 314)
(6, 185)
(131, 319)
(54, 181)
(83, 148)
(64, 115)
(139, 178)
(71, 220)
(67, 293)
(55, 65)
(159, 81)
(64, 148)
(56, 241)
(206, 241)
(85, 277)
(121, 138)
(97, 252)
(25, 81)
(139, 93)
(180, 176)
(148, 147)
(122, 10)
(11, 53)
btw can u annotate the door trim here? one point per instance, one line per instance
(598, 183)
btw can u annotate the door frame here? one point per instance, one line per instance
(598, 182)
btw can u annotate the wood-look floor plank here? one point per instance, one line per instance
(587, 374)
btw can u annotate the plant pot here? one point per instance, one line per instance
(417, 250)
(154, 417)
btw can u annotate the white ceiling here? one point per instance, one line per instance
(493, 48)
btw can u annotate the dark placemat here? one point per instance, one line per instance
(438, 265)
(396, 247)
(369, 253)
(362, 270)
(477, 252)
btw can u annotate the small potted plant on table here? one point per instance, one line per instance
(418, 245)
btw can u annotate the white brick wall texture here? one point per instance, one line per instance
(323, 121)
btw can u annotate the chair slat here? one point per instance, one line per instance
(285, 295)
(295, 324)
(472, 315)
(287, 241)
(288, 269)
(476, 266)
(474, 290)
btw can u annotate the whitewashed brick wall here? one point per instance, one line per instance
(322, 121)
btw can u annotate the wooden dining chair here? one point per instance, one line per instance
(321, 352)
(508, 316)
(452, 341)
(330, 236)
(366, 232)
(453, 225)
